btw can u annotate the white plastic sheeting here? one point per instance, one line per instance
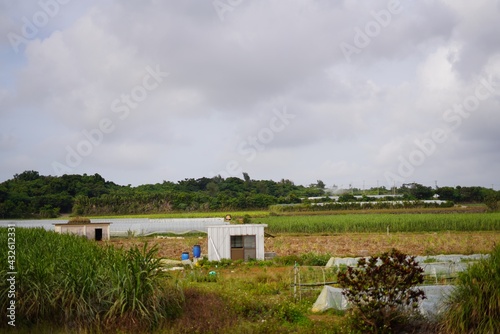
(342, 261)
(447, 269)
(138, 226)
(436, 265)
(455, 258)
(330, 297)
(433, 265)
(430, 307)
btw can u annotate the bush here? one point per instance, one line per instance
(223, 263)
(474, 305)
(492, 201)
(247, 219)
(288, 260)
(312, 259)
(307, 259)
(381, 291)
(289, 312)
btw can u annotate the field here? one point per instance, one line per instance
(354, 234)
(351, 244)
(238, 215)
(376, 223)
(257, 297)
(262, 294)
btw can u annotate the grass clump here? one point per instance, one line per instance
(474, 305)
(223, 263)
(306, 259)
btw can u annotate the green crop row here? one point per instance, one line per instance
(370, 205)
(376, 223)
(209, 214)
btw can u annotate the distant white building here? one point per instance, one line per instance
(93, 231)
(236, 242)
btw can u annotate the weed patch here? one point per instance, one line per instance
(474, 305)
(67, 280)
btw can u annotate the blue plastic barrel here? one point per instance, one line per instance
(185, 256)
(197, 251)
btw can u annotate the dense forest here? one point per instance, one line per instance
(31, 195)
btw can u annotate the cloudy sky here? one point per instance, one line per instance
(348, 92)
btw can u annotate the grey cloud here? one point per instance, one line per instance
(353, 119)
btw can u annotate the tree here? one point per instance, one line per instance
(28, 175)
(188, 185)
(419, 191)
(246, 177)
(491, 200)
(232, 184)
(470, 194)
(212, 188)
(446, 193)
(347, 198)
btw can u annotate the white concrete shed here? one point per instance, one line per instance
(236, 242)
(93, 231)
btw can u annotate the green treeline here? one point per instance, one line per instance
(31, 195)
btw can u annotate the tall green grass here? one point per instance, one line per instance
(376, 223)
(474, 305)
(67, 280)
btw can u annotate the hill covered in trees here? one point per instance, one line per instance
(31, 195)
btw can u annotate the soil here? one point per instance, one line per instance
(354, 244)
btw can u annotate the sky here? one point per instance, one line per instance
(353, 93)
